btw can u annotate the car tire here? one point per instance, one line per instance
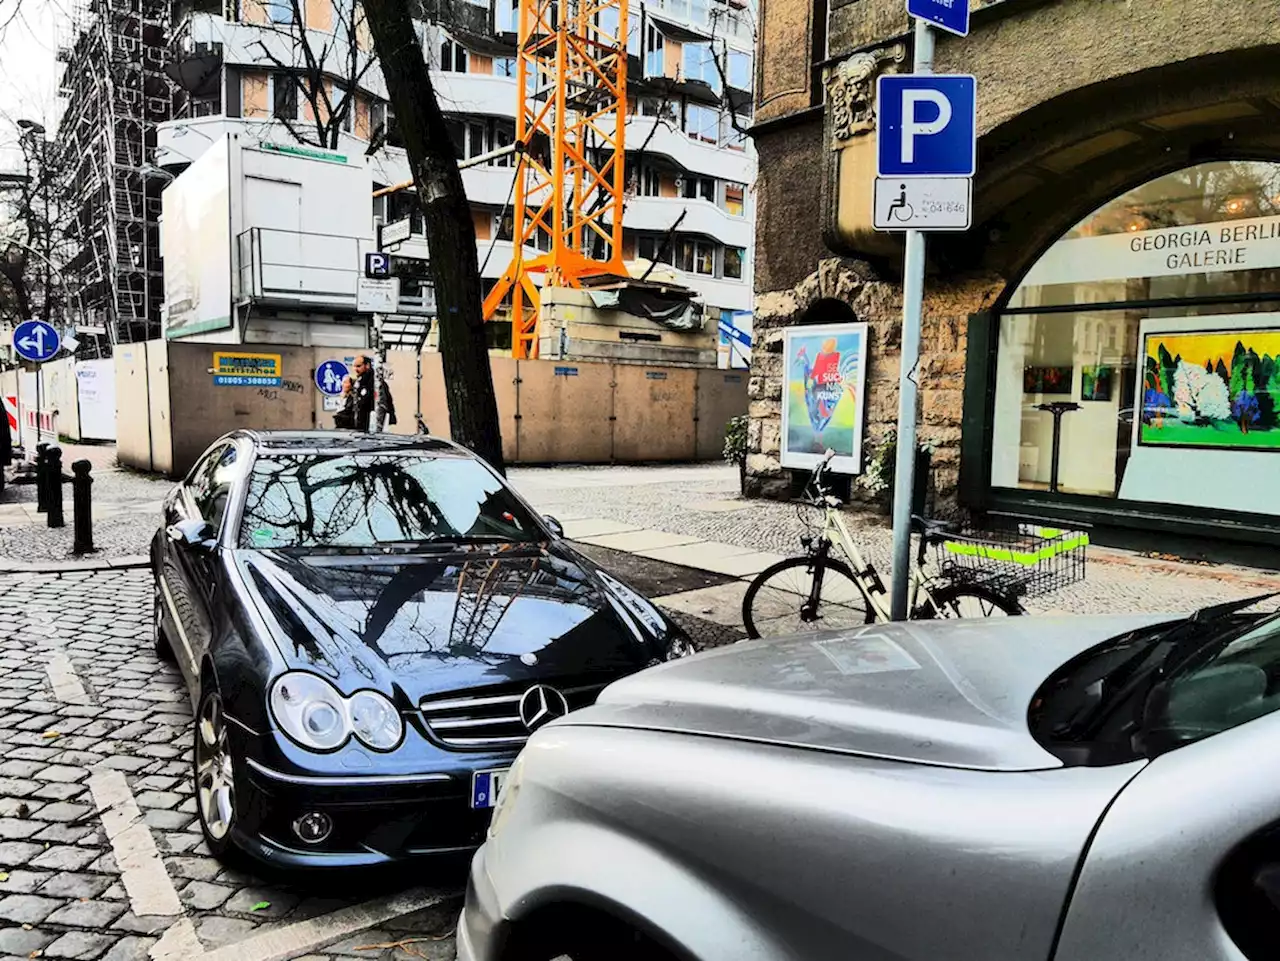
(213, 779)
(159, 637)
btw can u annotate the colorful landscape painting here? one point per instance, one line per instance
(1095, 382)
(1047, 380)
(1217, 389)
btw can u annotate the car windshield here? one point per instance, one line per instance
(1230, 677)
(359, 500)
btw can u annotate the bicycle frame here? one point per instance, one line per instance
(835, 531)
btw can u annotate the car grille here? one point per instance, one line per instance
(488, 719)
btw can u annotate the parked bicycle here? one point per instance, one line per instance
(975, 575)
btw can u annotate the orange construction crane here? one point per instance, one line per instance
(571, 77)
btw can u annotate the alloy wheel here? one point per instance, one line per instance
(215, 783)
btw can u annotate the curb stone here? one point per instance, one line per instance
(134, 562)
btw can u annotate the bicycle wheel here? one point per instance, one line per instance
(777, 602)
(956, 600)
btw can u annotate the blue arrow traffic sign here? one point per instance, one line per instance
(329, 377)
(741, 336)
(36, 341)
(926, 125)
(950, 15)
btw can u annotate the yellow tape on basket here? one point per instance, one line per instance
(1061, 544)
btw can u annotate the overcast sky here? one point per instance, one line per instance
(29, 32)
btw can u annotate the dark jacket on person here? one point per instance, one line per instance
(364, 395)
(345, 417)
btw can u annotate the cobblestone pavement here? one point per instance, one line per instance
(61, 888)
(703, 501)
(126, 508)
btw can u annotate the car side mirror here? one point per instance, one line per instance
(198, 534)
(556, 527)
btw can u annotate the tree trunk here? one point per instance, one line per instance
(451, 233)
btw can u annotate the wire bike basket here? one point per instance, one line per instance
(1028, 560)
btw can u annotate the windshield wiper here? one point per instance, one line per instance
(1183, 640)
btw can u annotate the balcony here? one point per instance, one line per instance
(286, 268)
(701, 217)
(693, 155)
(181, 142)
(475, 93)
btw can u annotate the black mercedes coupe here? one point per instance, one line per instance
(370, 627)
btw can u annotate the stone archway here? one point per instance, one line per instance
(843, 290)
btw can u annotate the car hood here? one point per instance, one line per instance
(432, 623)
(951, 693)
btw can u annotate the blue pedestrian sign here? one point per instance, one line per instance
(950, 15)
(926, 125)
(329, 377)
(36, 341)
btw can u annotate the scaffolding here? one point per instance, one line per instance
(571, 80)
(116, 92)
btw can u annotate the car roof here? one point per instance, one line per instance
(291, 441)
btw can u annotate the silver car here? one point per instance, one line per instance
(1075, 789)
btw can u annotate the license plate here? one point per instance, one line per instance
(485, 786)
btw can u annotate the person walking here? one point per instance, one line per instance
(364, 391)
(345, 417)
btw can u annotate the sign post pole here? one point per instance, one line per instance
(912, 309)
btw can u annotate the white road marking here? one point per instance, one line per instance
(62, 676)
(180, 942)
(142, 872)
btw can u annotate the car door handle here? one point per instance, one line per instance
(174, 534)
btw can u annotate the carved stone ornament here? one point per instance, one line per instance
(851, 90)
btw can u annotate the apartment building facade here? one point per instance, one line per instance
(691, 168)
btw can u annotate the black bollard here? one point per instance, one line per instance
(42, 486)
(53, 478)
(82, 507)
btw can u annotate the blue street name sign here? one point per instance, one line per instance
(950, 15)
(329, 377)
(926, 125)
(741, 336)
(36, 341)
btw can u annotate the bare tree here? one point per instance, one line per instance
(324, 69)
(451, 234)
(31, 237)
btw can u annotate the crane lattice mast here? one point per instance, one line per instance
(571, 78)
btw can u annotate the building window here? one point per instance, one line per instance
(654, 62)
(607, 23)
(702, 123)
(730, 135)
(735, 199)
(343, 16)
(696, 257)
(505, 67)
(1174, 395)
(654, 107)
(650, 247)
(453, 56)
(733, 259)
(504, 227)
(739, 69)
(700, 65)
(279, 11)
(284, 97)
(506, 16)
(698, 188)
(503, 136)
(650, 181)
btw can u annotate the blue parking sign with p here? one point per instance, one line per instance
(926, 125)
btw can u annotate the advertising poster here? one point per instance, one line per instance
(824, 391)
(239, 369)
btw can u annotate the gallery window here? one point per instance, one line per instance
(1145, 345)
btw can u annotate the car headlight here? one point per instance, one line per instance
(375, 720)
(314, 713)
